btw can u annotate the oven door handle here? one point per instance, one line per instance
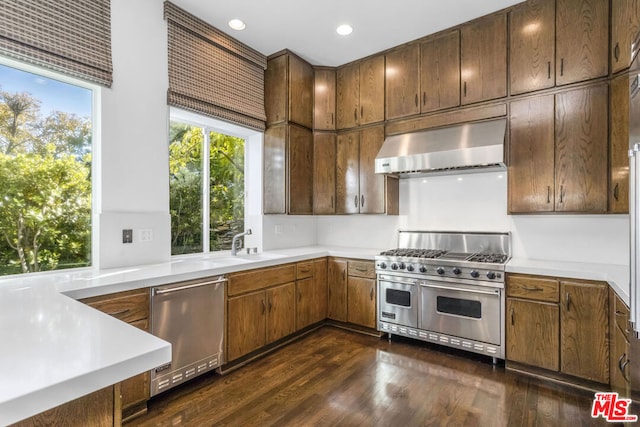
(448, 288)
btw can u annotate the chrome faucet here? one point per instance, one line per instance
(234, 248)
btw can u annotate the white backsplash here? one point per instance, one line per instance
(288, 231)
(358, 231)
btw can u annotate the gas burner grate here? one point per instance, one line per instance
(414, 253)
(489, 258)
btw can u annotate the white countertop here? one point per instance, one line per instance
(56, 349)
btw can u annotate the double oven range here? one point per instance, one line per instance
(446, 288)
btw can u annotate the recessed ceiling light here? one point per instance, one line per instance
(344, 29)
(237, 24)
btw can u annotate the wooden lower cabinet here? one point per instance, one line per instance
(311, 304)
(560, 325)
(352, 292)
(361, 302)
(281, 311)
(98, 409)
(619, 349)
(337, 290)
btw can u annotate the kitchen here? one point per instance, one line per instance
(131, 197)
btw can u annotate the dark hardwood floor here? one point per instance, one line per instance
(334, 377)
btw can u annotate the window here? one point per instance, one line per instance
(206, 197)
(45, 170)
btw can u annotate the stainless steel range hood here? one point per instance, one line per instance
(469, 147)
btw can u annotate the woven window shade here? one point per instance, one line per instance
(212, 73)
(69, 36)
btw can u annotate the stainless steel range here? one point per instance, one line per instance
(446, 288)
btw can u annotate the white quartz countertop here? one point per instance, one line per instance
(56, 349)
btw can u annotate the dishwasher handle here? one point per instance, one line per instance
(158, 291)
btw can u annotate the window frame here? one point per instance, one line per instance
(96, 158)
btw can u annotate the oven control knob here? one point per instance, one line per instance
(402, 266)
(440, 270)
(382, 265)
(410, 267)
(475, 274)
(491, 275)
(394, 266)
(423, 269)
(456, 270)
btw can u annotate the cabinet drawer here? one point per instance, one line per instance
(621, 312)
(361, 269)
(261, 278)
(126, 306)
(304, 270)
(532, 287)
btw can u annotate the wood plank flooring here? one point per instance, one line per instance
(334, 377)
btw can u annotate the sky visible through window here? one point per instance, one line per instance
(53, 94)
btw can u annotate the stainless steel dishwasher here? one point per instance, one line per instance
(189, 315)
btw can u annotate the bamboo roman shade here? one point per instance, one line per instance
(70, 36)
(212, 73)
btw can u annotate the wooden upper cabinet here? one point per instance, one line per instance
(348, 96)
(402, 82)
(324, 173)
(619, 145)
(483, 62)
(581, 150)
(372, 90)
(531, 155)
(582, 34)
(532, 46)
(440, 72)
(274, 170)
(324, 99)
(289, 90)
(300, 167)
(372, 185)
(360, 93)
(625, 25)
(348, 172)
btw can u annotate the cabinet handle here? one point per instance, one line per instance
(270, 305)
(548, 194)
(465, 89)
(562, 66)
(619, 313)
(264, 307)
(548, 69)
(512, 320)
(371, 294)
(299, 296)
(568, 301)
(331, 118)
(304, 270)
(355, 114)
(532, 288)
(417, 101)
(331, 201)
(424, 98)
(362, 201)
(620, 359)
(361, 111)
(118, 313)
(616, 191)
(362, 270)
(562, 194)
(616, 52)
(623, 370)
(344, 275)
(355, 201)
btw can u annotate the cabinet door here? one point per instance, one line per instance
(532, 46)
(135, 391)
(300, 92)
(274, 172)
(484, 59)
(531, 155)
(625, 24)
(372, 185)
(533, 333)
(361, 301)
(440, 72)
(582, 31)
(304, 303)
(281, 309)
(324, 99)
(300, 166)
(275, 89)
(581, 150)
(337, 290)
(619, 145)
(319, 305)
(619, 364)
(324, 173)
(348, 96)
(347, 173)
(372, 90)
(584, 330)
(402, 82)
(246, 324)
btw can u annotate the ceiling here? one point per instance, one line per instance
(307, 27)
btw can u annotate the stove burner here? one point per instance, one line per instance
(415, 253)
(490, 258)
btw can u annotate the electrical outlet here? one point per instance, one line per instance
(145, 235)
(278, 229)
(127, 235)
